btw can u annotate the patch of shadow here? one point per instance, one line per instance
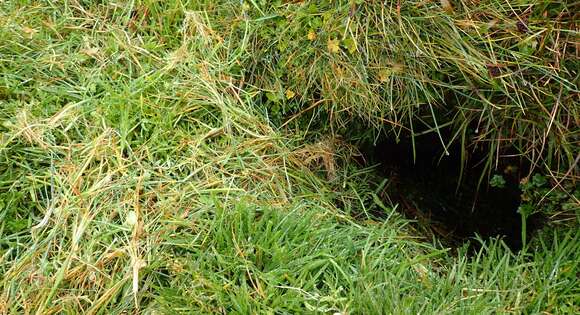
(456, 203)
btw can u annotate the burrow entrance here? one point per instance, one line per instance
(455, 203)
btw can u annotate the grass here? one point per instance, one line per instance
(500, 75)
(141, 171)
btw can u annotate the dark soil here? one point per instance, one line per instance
(430, 190)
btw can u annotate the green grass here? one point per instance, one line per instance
(141, 169)
(498, 74)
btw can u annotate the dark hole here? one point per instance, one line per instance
(456, 206)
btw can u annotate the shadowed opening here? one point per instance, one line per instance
(455, 203)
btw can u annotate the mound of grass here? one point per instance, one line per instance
(494, 76)
(137, 174)
(500, 75)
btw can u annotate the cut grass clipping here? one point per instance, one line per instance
(140, 172)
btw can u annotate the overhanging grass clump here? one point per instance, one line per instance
(492, 76)
(137, 173)
(501, 75)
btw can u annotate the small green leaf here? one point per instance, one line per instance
(497, 181)
(350, 45)
(272, 97)
(539, 180)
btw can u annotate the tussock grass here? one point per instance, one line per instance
(499, 75)
(138, 175)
